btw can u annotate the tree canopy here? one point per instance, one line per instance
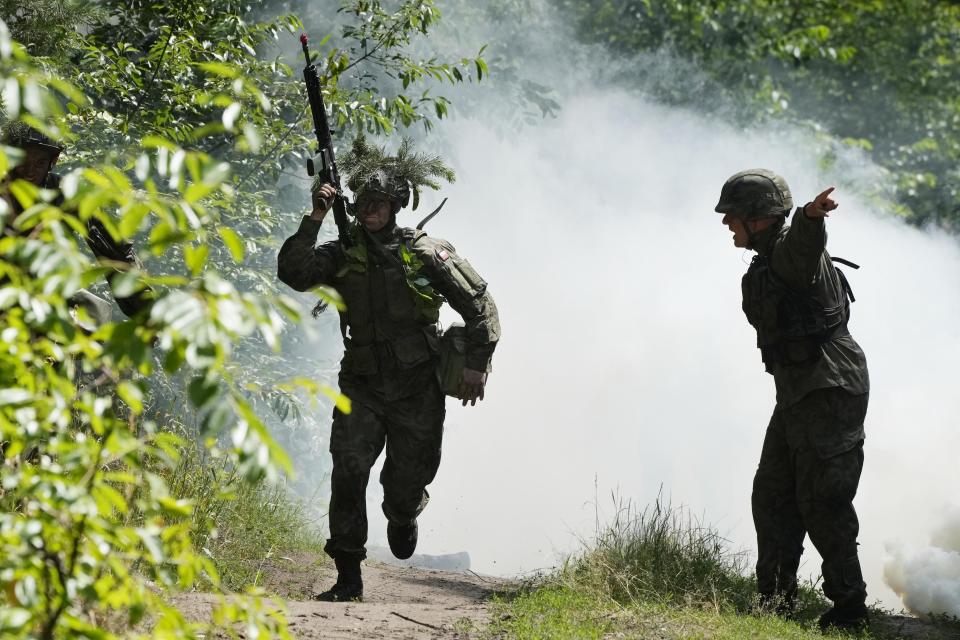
(881, 76)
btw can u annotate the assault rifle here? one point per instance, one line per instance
(328, 164)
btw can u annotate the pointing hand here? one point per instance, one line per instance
(821, 206)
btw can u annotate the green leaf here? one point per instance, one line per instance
(220, 69)
(182, 508)
(14, 618)
(126, 283)
(195, 257)
(342, 402)
(233, 242)
(132, 395)
(202, 391)
(14, 396)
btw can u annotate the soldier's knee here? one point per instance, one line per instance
(839, 478)
(352, 463)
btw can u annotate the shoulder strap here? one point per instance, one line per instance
(847, 289)
(846, 262)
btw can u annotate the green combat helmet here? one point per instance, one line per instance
(755, 194)
(20, 135)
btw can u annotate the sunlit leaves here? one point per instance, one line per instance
(85, 519)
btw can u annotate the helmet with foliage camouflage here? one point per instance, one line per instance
(754, 194)
(21, 135)
(383, 184)
(372, 172)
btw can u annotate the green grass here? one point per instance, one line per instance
(570, 611)
(252, 523)
(661, 574)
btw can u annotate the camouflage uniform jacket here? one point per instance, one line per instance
(793, 265)
(393, 283)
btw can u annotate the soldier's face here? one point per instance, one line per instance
(736, 225)
(373, 214)
(742, 229)
(36, 164)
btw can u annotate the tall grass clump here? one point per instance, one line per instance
(664, 555)
(241, 525)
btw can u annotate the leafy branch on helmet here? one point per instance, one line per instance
(416, 170)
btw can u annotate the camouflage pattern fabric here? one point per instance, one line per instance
(393, 282)
(412, 430)
(805, 484)
(797, 256)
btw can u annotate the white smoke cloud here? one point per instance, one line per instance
(626, 363)
(928, 579)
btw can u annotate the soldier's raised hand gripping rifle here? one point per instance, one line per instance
(321, 127)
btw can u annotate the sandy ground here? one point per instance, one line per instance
(399, 602)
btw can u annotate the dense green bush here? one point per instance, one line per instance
(178, 126)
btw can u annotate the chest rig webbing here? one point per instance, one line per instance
(792, 325)
(391, 315)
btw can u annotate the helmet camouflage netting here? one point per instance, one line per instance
(371, 172)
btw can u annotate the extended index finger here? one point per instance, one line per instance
(826, 192)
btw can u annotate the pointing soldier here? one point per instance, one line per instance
(799, 304)
(393, 281)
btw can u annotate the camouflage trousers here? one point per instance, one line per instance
(805, 484)
(411, 429)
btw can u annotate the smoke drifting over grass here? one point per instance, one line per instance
(626, 362)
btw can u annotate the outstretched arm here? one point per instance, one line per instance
(797, 258)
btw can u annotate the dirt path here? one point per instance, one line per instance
(399, 602)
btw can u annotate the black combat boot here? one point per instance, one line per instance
(852, 617)
(349, 586)
(402, 539)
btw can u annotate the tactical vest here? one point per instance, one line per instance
(391, 315)
(793, 325)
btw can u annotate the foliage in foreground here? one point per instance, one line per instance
(93, 541)
(179, 131)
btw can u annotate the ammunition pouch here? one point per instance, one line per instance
(453, 359)
(359, 360)
(411, 350)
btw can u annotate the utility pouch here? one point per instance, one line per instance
(411, 350)
(453, 358)
(359, 360)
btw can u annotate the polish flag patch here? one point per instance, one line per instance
(443, 255)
